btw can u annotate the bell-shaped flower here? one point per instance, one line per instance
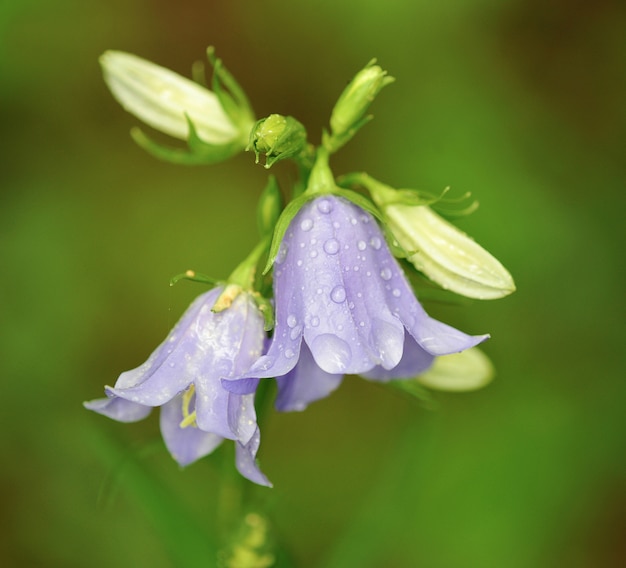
(343, 305)
(216, 124)
(183, 376)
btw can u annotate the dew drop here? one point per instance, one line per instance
(324, 206)
(289, 353)
(315, 321)
(319, 290)
(336, 224)
(295, 333)
(361, 245)
(385, 274)
(172, 364)
(338, 294)
(331, 246)
(306, 225)
(263, 364)
(313, 254)
(353, 221)
(299, 263)
(292, 320)
(396, 292)
(376, 243)
(282, 253)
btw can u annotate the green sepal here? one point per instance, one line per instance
(333, 142)
(194, 277)
(230, 94)
(269, 207)
(267, 311)
(198, 73)
(201, 154)
(385, 195)
(412, 387)
(359, 200)
(289, 212)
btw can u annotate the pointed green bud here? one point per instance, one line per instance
(278, 137)
(269, 208)
(348, 115)
(438, 249)
(466, 371)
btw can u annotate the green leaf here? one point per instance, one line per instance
(282, 224)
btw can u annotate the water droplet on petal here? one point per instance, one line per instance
(172, 364)
(376, 243)
(282, 253)
(313, 254)
(353, 221)
(396, 292)
(289, 353)
(263, 364)
(331, 246)
(361, 245)
(315, 321)
(338, 294)
(306, 225)
(295, 332)
(324, 206)
(385, 274)
(331, 353)
(292, 320)
(299, 263)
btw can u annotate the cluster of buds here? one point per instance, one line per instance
(334, 299)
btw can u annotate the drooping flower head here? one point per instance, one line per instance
(342, 296)
(183, 377)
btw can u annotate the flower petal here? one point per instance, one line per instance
(186, 445)
(304, 384)
(118, 409)
(415, 360)
(328, 279)
(245, 459)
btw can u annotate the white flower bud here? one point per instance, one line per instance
(161, 98)
(466, 371)
(447, 255)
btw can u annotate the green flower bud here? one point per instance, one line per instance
(348, 113)
(278, 137)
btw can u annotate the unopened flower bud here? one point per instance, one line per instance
(278, 137)
(441, 251)
(357, 97)
(466, 371)
(165, 100)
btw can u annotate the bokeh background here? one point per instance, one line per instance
(520, 102)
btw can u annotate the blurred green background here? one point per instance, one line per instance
(520, 102)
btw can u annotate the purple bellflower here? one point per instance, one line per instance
(183, 377)
(343, 305)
